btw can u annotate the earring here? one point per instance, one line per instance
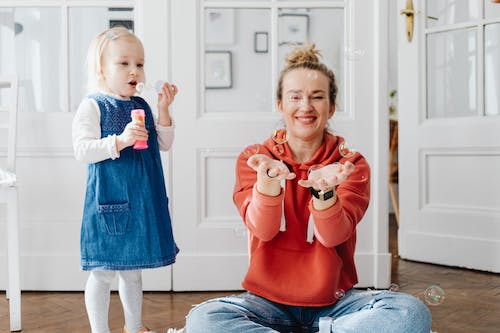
(251, 150)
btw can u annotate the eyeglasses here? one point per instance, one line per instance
(301, 100)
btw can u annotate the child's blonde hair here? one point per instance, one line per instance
(95, 80)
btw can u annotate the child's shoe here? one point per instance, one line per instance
(142, 330)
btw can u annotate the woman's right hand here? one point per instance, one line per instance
(270, 172)
(133, 131)
(268, 168)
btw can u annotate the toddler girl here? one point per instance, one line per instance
(126, 224)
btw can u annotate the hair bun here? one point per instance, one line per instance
(306, 53)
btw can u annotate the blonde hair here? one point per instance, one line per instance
(307, 57)
(95, 80)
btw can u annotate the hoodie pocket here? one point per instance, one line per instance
(114, 218)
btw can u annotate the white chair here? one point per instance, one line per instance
(8, 194)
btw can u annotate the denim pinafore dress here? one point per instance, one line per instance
(126, 223)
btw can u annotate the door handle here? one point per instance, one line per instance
(410, 13)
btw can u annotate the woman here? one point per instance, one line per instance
(301, 197)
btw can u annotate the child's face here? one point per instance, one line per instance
(123, 66)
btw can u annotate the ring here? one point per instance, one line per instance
(267, 173)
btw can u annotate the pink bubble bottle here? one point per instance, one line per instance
(139, 116)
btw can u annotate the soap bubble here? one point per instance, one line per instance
(279, 149)
(240, 232)
(339, 293)
(345, 151)
(143, 86)
(251, 150)
(393, 287)
(313, 75)
(434, 295)
(352, 51)
(280, 136)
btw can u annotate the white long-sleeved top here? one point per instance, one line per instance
(88, 145)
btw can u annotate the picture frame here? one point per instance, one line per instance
(293, 29)
(261, 42)
(218, 70)
(219, 26)
(129, 24)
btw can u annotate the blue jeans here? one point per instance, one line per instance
(358, 311)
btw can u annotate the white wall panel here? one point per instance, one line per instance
(218, 214)
(475, 174)
(217, 192)
(51, 195)
(460, 194)
(50, 187)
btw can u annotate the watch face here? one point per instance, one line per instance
(322, 195)
(329, 194)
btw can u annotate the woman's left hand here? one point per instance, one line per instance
(329, 176)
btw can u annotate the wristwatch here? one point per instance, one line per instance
(322, 195)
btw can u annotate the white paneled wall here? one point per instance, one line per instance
(52, 183)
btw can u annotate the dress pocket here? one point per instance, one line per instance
(114, 218)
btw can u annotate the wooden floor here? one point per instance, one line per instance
(471, 305)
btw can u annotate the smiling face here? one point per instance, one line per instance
(305, 104)
(123, 66)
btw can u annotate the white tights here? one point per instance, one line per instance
(97, 294)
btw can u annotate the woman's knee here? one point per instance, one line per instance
(415, 311)
(207, 316)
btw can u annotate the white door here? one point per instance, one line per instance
(226, 56)
(449, 148)
(50, 65)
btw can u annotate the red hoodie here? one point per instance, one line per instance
(283, 266)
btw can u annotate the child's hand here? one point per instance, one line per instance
(133, 131)
(269, 168)
(326, 177)
(166, 96)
